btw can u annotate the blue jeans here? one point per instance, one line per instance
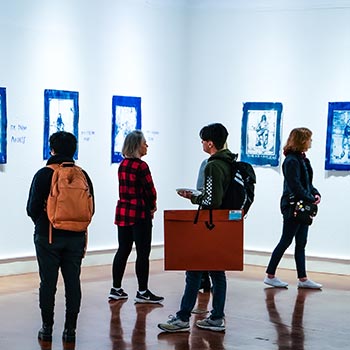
(291, 229)
(193, 281)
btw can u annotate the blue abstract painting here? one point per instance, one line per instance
(61, 113)
(126, 117)
(3, 125)
(338, 136)
(261, 129)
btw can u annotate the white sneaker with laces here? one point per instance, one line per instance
(275, 282)
(309, 284)
(212, 325)
(174, 324)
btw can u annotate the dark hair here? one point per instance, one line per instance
(132, 144)
(63, 143)
(216, 133)
(297, 140)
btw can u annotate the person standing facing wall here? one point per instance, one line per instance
(67, 248)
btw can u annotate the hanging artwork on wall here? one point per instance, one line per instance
(126, 117)
(61, 113)
(261, 129)
(3, 126)
(338, 136)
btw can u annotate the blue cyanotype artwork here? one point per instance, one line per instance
(338, 136)
(126, 117)
(61, 113)
(3, 125)
(261, 129)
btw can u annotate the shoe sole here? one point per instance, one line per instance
(187, 329)
(111, 296)
(144, 301)
(212, 328)
(301, 287)
(272, 285)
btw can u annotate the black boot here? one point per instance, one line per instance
(45, 332)
(68, 335)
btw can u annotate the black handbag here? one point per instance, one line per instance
(304, 211)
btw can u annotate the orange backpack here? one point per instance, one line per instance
(70, 204)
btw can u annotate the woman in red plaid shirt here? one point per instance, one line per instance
(134, 213)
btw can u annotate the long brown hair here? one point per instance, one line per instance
(297, 140)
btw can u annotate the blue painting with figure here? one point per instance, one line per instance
(61, 113)
(338, 136)
(3, 125)
(126, 117)
(261, 128)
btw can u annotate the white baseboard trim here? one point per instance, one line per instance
(18, 266)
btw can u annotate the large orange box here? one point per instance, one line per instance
(193, 246)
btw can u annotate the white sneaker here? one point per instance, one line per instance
(309, 284)
(275, 282)
(174, 324)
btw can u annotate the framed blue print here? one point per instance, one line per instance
(126, 117)
(3, 125)
(261, 133)
(338, 136)
(61, 113)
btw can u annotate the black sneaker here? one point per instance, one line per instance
(148, 297)
(117, 294)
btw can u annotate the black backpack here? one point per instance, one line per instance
(240, 192)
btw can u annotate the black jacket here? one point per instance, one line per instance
(298, 177)
(38, 194)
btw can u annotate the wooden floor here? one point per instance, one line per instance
(257, 317)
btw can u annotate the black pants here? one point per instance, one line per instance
(291, 230)
(141, 234)
(64, 253)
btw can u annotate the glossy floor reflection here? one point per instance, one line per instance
(257, 316)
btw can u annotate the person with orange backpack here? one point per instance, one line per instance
(61, 205)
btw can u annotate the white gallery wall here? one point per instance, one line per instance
(293, 52)
(192, 62)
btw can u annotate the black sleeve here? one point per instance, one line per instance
(292, 175)
(38, 193)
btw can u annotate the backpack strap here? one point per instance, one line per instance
(53, 167)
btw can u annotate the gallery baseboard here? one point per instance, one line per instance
(105, 257)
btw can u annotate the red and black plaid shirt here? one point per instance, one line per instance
(137, 194)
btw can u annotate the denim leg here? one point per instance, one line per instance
(188, 301)
(290, 228)
(299, 252)
(219, 294)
